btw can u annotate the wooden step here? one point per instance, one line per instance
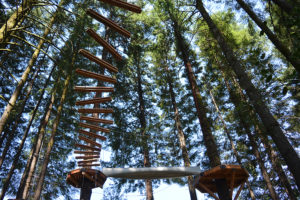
(88, 165)
(123, 4)
(87, 147)
(97, 60)
(95, 119)
(86, 157)
(104, 43)
(95, 128)
(93, 101)
(108, 22)
(99, 77)
(87, 140)
(94, 135)
(87, 152)
(93, 89)
(87, 161)
(96, 110)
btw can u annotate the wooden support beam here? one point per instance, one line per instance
(73, 180)
(239, 191)
(95, 119)
(96, 110)
(208, 191)
(99, 77)
(107, 22)
(97, 60)
(87, 147)
(87, 152)
(88, 176)
(104, 43)
(232, 183)
(94, 135)
(87, 161)
(93, 89)
(86, 157)
(123, 4)
(93, 101)
(96, 128)
(89, 165)
(87, 140)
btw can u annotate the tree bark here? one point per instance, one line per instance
(142, 119)
(21, 145)
(27, 176)
(42, 175)
(25, 74)
(14, 19)
(294, 60)
(181, 138)
(273, 128)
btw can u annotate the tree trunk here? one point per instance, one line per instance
(14, 19)
(25, 74)
(181, 138)
(294, 60)
(27, 176)
(236, 154)
(142, 118)
(273, 128)
(21, 145)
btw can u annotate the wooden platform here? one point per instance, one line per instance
(234, 175)
(78, 177)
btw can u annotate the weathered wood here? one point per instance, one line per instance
(99, 77)
(90, 141)
(94, 135)
(86, 157)
(239, 191)
(123, 4)
(104, 43)
(88, 176)
(108, 22)
(93, 101)
(94, 119)
(87, 152)
(96, 128)
(87, 147)
(87, 161)
(72, 180)
(89, 165)
(97, 60)
(209, 191)
(96, 110)
(93, 89)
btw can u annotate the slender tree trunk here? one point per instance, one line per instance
(19, 14)
(273, 128)
(21, 145)
(40, 182)
(25, 74)
(27, 176)
(236, 154)
(142, 118)
(294, 60)
(209, 141)
(181, 138)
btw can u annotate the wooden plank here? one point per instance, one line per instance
(96, 128)
(94, 135)
(87, 147)
(86, 157)
(95, 119)
(104, 43)
(99, 77)
(97, 60)
(208, 191)
(88, 161)
(96, 110)
(108, 22)
(93, 89)
(123, 4)
(87, 152)
(90, 141)
(93, 101)
(89, 165)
